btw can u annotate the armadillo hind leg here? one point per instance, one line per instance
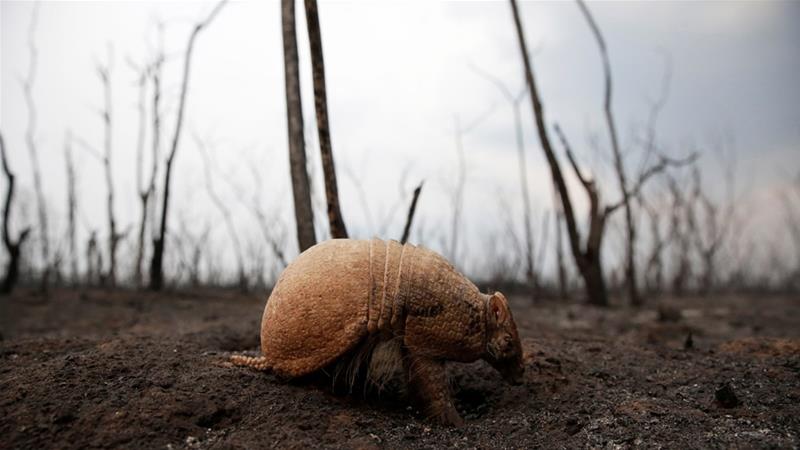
(428, 380)
(254, 362)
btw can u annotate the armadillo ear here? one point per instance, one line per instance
(499, 307)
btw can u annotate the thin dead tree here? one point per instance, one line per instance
(72, 207)
(272, 230)
(335, 220)
(358, 183)
(515, 101)
(13, 247)
(114, 237)
(142, 77)
(33, 152)
(301, 188)
(631, 279)
(271, 227)
(680, 232)
(224, 211)
(457, 193)
(587, 256)
(412, 208)
(190, 248)
(156, 265)
(588, 262)
(147, 196)
(654, 267)
(710, 235)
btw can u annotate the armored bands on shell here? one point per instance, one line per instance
(340, 291)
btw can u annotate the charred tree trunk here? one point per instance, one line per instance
(113, 236)
(12, 246)
(587, 258)
(592, 274)
(595, 291)
(156, 265)
(619, 167)
(141, 190)
(147, 196)
(335, 220)
(301, 189)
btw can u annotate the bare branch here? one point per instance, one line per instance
(411, 210)
(663, 164)
(587, 184)
(221, 206)
(156, 267)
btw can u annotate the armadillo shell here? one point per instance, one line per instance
(340, 291)
(318, 309)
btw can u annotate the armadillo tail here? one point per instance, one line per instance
(257, 362)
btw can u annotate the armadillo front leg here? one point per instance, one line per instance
(428, 379)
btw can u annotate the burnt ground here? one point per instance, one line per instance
(135, 370)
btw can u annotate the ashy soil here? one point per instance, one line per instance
(136, 370)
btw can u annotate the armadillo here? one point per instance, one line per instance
(419, 309)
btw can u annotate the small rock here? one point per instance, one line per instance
(726, 397)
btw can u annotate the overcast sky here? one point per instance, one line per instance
(400, 74)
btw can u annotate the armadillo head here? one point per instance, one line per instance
(503, 349)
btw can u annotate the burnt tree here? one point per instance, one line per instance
(515, 101)
(588, 261)
(156, 264)
(142, 78)
(33, 151)
(104, 73)
(587, 255)
(619, 167)
(147, 194)
(335, 220)
(301, 189)
(13, 247)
